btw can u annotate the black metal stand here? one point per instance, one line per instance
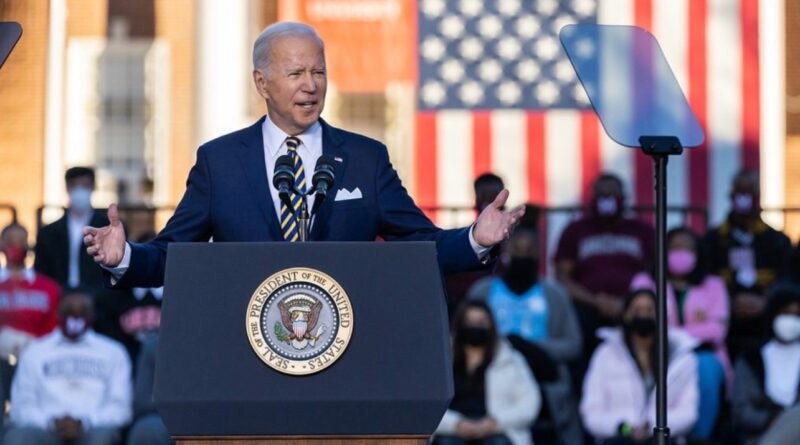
(303, 220)
(660, 148)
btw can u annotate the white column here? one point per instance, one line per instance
(53, 132)
(223, 68)
(771, 49)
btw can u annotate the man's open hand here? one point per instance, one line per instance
(106, 245)
(494, 225)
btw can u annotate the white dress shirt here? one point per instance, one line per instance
(310, 150)
(75, 230)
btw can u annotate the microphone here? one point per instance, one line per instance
(283, 179)
(322, 180)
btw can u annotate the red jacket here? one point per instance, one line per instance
(29, 304)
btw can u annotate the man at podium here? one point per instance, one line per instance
(229, 196)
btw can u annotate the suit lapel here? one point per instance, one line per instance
(251, 155)
(333, 145)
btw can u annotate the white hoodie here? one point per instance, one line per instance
(89, 380)
(512, 397)
(614, 392)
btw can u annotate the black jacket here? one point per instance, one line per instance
(52, 254)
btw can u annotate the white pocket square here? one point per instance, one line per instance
(345, 195)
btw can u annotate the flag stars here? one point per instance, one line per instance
(547, 92)
(509, 93)
(452, 71)
(584, 48)
(433, 49)
(564, 71)
(490, 27)
(452, 27)
(490, 71)
(509, 48)
(433, 93)
(580, 94)
(562, 21)
(471, 93)
(471, 8)
(528, 71)
(546, 48)
(583, 8)
(527, 26)
(433, 8)
(546, 7)
(508, 8)
(471, 48)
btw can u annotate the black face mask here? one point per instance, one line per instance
(521, 274)
(474, 336)
(642, 326)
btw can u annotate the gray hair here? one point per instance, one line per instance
(275, 31)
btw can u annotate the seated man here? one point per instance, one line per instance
(72, 386)
(766, 391)
(599, 254)
(750, 256)
(28, 299)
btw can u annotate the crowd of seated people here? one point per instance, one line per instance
(588, 335)
(566, 357)
(67, 344)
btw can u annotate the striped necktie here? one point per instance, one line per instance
(290, 216)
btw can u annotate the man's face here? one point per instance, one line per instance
(15, 246)
(607, 188)
(80, 182)
(294, 84)
(744, 196)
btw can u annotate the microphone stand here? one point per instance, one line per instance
(304, 220)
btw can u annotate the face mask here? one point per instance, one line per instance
(74, 327)
(521, 273)
(787, 327)
(15, 255)
(607, 207)
(80, 198)
(681, 261)
(743, 203)
(474, 336)
(642, 326)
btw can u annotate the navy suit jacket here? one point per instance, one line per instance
(228, 198)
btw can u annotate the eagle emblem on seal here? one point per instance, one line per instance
(299, 318)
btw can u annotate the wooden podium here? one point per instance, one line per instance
(299, 440)
(391, 385)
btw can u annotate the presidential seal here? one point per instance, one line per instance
(299, 321)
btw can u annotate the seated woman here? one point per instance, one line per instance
(619, 391)
(539, 321)
(767, 385)
(697, 302)
(496, 397)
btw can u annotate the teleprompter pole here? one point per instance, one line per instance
(660, 148)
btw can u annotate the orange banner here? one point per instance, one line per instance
(368, 43)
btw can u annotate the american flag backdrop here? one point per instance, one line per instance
(496, 93)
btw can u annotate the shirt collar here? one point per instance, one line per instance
(60, 338)
(28, 275)
(274, 138)
(84, 221)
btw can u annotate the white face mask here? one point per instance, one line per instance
(787, 327)
(80, 198)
